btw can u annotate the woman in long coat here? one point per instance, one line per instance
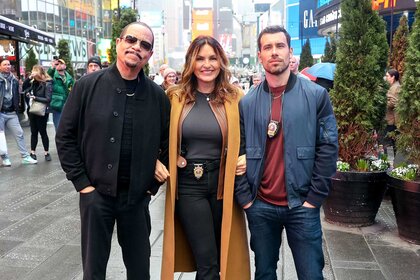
(188, 236)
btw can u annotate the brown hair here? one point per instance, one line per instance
(188, 83)
(273, 29)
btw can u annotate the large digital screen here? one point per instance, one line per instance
(8, 49)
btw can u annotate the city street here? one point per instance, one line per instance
(40, 232)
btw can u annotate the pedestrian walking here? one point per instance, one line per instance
(9, 106)
(204, 227)
(290, 133)
(393, 78)
(38, 88)
(114, 126)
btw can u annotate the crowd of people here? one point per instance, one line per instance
(224, 155)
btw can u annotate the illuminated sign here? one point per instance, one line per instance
(202, 23)
(8, 49)
(395, 5)
(332, 16)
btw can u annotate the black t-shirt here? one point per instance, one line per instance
(201, 134)
(124, 170)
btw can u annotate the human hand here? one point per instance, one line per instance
(54, 62)
(88, 189)
(308, 205)
(161, 173)
(249, 204)
(241, 165)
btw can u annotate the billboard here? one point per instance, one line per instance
(101, 47)
(79, 49)
(308, 23)
(387, 6)
(8, 49)
(202, 23)
(202, 4)
(225, 41)
(87, 7)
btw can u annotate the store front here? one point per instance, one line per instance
(13, 32)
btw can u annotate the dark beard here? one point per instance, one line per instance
(278, 71)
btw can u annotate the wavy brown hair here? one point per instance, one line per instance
(41, 75)
(188, 83)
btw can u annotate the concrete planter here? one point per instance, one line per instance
(355, 198)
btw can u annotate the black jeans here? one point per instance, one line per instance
(389, 141)
(200, 214)
(39, 125)
(98, 214)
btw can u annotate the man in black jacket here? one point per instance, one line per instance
(113, 129)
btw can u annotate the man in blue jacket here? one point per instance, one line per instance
(290, 136)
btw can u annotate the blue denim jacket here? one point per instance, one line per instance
(310, 141)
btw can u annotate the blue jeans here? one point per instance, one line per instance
(304, 235)
(56, 118)
(11, 121)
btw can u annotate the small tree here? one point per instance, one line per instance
(358, 96)
(64, 53)
(128, 15)
(408, 107)
(330, 49)
(327, 51)
(333, 43)
(306, 58)
(399, 46)
(30, 60)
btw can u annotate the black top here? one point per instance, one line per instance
(124, 169)
(201, 134)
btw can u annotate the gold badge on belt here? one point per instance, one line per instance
(198, 171)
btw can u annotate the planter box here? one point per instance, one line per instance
(355, 198)
(405, 197)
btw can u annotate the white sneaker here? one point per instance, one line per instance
(7, 162)
(29, 160)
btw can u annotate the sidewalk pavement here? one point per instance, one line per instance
(40, 233)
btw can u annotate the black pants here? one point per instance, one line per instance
(200, 214)
(389, 141)
(98, 214)
(39, 125)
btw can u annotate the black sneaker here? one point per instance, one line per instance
(33, 156)
(48, 157)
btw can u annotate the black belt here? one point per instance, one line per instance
(7, 111)
(198, 168)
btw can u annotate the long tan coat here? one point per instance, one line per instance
(177, 255)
